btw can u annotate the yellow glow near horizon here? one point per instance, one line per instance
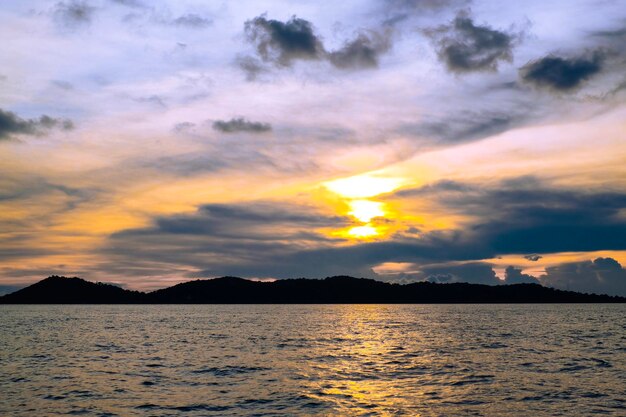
(357, 192)
(363, 231)
(366, 210)
(363, 186)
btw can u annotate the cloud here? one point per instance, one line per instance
(189, 20)
(467, 125)
(525, 215)
(533, 257)
(259, 221)
(276, 240)
(251, 66)
(465, 47)
(283, 42)
(222, 239)
(421, 5)
(617, 34)
(472, 272)
(192, 21)
(155, 100)
(361, 52)
(184, 127)
(129, 3)
(11, 124)
(280, 240)
(601, 276)
(190, 164)
(12, 189)
(562, 74)
(63, 85)
(514, 275)
(73, 13)
(224, 219)
(241, 125)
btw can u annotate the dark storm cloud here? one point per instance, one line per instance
(563, 74)
(525, 215)
(362, 52)
(283, 42)
(73, 13)
(11, 124)
(467, 47)
(601, 276)
(278, 242)
(240, 124)
(514, 275)
(533, 257)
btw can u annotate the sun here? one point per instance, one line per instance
(363, 186)
(363, 231)
(365, 210)
(357, 193)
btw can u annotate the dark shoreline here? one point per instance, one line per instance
(332, 290)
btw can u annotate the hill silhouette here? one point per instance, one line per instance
(62, 290)
(332, 290)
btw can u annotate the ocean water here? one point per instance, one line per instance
(336, 360)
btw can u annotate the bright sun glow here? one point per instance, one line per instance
(363, 186)
(363, 231)
(366, 210)
(357, 192)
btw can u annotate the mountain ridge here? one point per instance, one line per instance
(330, 290)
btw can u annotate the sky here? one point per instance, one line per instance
(147, 143)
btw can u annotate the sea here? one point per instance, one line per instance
(313, 360)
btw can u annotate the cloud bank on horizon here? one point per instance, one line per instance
(147, 143)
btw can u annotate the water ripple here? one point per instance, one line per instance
(344, 360)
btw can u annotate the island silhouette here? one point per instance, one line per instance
(331, 290)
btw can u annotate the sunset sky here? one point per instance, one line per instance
(146, 143)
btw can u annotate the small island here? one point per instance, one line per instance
(331, 290)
